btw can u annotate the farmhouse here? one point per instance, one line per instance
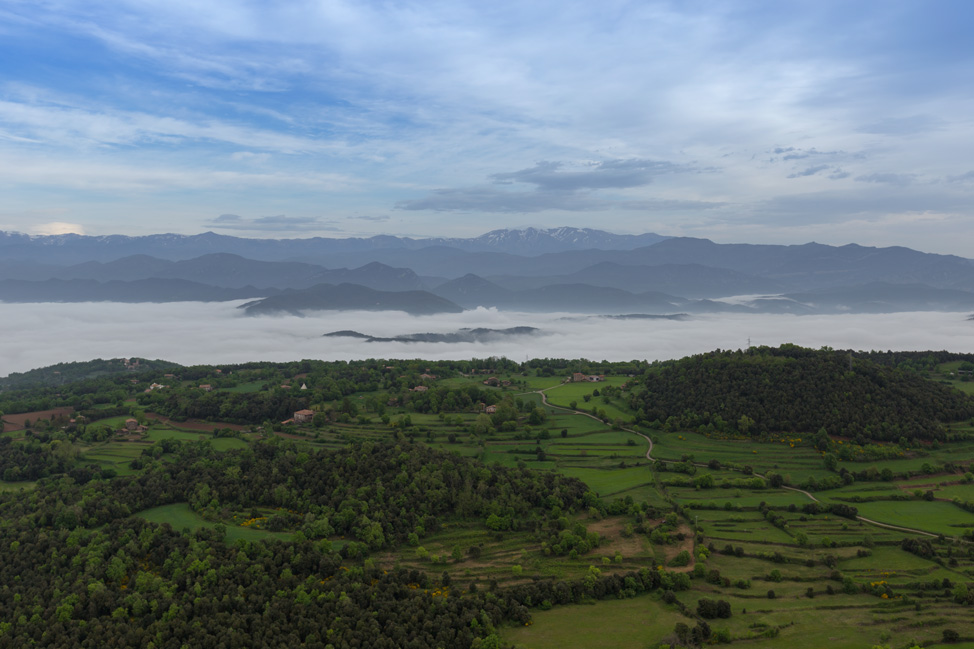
(206, 387)
(132, 430)
(578, 377)
(490, 410)
(420, 388)
(303, 416)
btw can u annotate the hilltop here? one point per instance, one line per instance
(797, 390)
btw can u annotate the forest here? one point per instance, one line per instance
(796, 390)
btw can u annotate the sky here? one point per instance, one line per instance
(192, 333)
(735, 120)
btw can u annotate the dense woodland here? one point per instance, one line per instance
(793, 389)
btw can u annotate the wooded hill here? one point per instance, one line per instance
(796, 390)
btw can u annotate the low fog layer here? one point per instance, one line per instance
(36, 335)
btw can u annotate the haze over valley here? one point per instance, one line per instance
(36, 335)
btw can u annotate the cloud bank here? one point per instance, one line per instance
(37, 335)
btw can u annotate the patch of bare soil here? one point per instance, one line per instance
(16, 422)
(670, 551)
(611, 529)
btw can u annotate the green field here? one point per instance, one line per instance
(180, 516)
(937, 517)
(621, 624)
(16, 486)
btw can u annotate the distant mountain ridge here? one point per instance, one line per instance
(77, 248)
(349, 297)
(227, 270)
(574, 270)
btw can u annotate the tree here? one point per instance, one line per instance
(483, 425)
(744, 424)
(538, 416)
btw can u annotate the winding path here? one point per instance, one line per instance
(649, 456)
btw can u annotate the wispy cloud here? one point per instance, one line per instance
(887, 178)
(279, 223)
(491, 199)
(610, 174)
(809, 171)
(373, 219)
(912, 125)
(556, 187)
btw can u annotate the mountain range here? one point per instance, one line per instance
(561, 269)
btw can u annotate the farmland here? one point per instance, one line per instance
(786, 529)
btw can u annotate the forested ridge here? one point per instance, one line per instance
(62, 373)
(793, 389)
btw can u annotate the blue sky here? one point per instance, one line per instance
(777, 122)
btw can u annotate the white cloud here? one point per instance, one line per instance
(58, 227)
(36, 335)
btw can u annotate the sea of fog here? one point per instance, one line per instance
(36, 335)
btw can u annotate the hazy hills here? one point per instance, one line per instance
(562, 269)
(350, 297)
(75, 248)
